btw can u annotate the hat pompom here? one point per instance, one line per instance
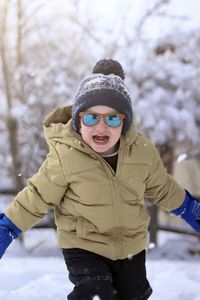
(109, 66)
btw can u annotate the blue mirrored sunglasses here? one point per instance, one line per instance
(92, 119)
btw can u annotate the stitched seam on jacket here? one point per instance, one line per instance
(64, 177)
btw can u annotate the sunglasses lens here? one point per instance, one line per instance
(90, 119)
(113, 120)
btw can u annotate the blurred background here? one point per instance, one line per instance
(47, 47)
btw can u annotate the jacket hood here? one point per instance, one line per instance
(58, 128)
(60, 115)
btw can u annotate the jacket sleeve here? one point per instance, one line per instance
(161, 189)
(44, 190)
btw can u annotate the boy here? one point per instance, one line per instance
(98, 171)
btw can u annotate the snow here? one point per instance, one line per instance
(179, 280)
(33, 278)
(182, 157)
(38, 271)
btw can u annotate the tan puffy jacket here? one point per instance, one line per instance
(95, 208)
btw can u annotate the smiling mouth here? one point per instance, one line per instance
(100, 139)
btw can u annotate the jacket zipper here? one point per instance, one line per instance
(117, 201)
(116, 196)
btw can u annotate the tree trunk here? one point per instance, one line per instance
(167, 154)
(10, 122)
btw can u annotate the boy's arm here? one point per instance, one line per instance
(163, 190)
(44, 190)
(160, 187)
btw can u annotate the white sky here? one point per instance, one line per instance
(110, 11)
(182, 8)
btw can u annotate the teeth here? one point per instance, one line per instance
(101, 137)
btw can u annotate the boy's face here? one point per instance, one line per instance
(101, 138)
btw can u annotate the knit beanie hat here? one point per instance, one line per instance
(104, 87)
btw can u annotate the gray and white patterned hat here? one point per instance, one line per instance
(100, 89)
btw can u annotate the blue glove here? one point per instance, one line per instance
(8, 232)
(189, 211)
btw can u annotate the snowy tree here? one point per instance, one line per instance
(165, 85)
(43, 56)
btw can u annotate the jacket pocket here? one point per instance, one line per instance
(75, 225)
(66, 222)
(84, 228)
(88, 231)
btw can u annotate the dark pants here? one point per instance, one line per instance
(94, 275)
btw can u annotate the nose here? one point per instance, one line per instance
(101, 124)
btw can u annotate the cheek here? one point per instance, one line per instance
(117, 133)
(86, 133)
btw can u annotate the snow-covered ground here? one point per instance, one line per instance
(39, 271)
